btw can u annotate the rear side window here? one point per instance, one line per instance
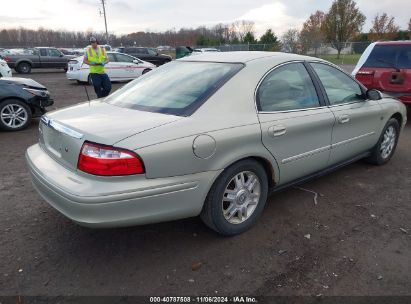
(111, 57)
(178, 88)
(124, 58)
(288, 87)
(340, 88)
(389, 56)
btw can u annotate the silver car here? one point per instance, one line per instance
(208, 135)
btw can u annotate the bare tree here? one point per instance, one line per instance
(291, 41)
(342, 22)
(242, 27)
(312, 35)
(383, 28)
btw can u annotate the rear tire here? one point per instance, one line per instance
(385, 148)
(236, 199)
(89, 80)
(15, 115)
(23, 68)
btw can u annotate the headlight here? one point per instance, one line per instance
(40, 93)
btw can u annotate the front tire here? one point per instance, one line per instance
(385, 148)
(236, 199)
(15, 115)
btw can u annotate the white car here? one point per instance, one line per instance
(4, 69)
(121, 67)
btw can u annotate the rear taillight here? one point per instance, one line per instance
(7, 59)
(108, 161)
(365, 77)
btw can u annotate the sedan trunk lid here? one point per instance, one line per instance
(62, 133)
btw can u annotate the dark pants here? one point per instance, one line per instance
(102, 84)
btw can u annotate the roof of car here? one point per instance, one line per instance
(241, 56)
(393, 42)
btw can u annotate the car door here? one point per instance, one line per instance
(112, 67)
(357, 118)
(44, 59)
(296, 124)
(129, 68)
(56, 59)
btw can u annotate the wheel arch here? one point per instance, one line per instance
(398, 117)
(24, 61)
(270, 168)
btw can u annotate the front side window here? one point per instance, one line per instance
(152, 52)
(178, 88)
(340, 88)
(54, 53)
(288, 87)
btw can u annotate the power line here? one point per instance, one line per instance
(103, 2)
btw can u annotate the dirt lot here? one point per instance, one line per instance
(355, 241)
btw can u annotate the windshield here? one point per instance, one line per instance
(177, 88)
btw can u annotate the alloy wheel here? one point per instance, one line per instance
(13, 116)
(388, 142)
(241, 197)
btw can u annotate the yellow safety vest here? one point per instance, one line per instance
(92, 57)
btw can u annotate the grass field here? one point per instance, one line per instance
(344, 59)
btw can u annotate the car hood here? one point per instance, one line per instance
(23, 81)
(107, 124)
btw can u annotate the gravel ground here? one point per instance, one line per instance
(355, 241)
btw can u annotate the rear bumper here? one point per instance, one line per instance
(112, 202)
(76, 75)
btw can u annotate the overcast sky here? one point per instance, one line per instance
(125, 16)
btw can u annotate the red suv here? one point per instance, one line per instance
(386, 66)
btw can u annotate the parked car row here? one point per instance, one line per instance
(24, 60)
(120, 67)
(41, 57)
(146, 54)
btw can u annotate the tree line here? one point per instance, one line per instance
(342, 23)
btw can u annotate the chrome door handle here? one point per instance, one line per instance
(343, 119)
(277, 130)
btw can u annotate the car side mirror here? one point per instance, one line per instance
(61, 55)
(373, 94)
(136, 61)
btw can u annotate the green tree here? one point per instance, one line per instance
(249, 38)
(269, 37)
(342, 23)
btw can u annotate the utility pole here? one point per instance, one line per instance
(103, 2)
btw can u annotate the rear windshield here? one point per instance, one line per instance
(390, 56)
(177, 88)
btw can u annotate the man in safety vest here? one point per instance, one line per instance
(96, 58)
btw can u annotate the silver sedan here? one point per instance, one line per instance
(209, 135)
